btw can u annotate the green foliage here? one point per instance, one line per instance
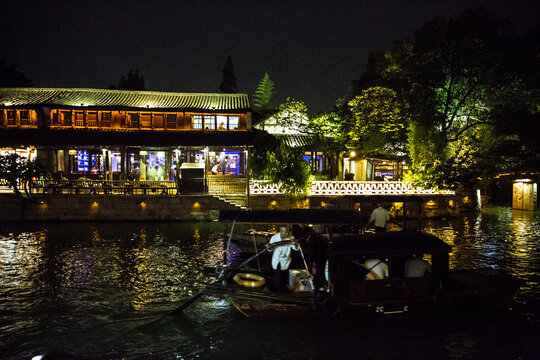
(228, 84)
(263, 98)
(281, 164)
(455, 80)
(379, 121)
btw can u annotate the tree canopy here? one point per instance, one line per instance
(133, 81)
(263, 99)
(228, 84)
(11, 77)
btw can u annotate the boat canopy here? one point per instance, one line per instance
(399, 242)
(295, 216)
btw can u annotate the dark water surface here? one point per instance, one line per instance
(102, 290)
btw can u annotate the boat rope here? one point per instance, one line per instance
(256, 250)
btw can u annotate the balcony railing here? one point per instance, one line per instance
(341, 188)
(224, 185)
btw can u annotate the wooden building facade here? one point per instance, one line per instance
(121, 134)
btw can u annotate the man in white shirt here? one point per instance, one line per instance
(281, 259)
(379, 217)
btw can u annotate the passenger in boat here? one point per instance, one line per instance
(316, 243)
(415, 267)
(281, 259)
(379, 217)
(378, 269)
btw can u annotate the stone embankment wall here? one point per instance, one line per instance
(436, 206)
(110, 208)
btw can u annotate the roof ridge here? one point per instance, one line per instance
(147, 92)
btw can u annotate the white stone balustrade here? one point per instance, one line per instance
(341, 188)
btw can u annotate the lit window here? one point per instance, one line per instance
(11, 117)
(24, 116)
(146, 120)
(171, 121)
(66, 118)
(91, 118)
(133, 120)
(196, 122)
(159, 121)
(222, 122)
(233, 122)
(209, 122)
(106, 119)
(79, 118)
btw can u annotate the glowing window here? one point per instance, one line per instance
(209, 122)
(133, 120)
(171, 121)
(221, 122)
(79, 118)
(159, 121)
(146, 120)
(91, 118)
(233, 122)
(25, 117)
(196, 122)
(106, 117)
(66, 118)
(11, 117)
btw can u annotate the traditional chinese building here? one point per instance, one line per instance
(120, 134)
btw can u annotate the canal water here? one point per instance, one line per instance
(103, 291)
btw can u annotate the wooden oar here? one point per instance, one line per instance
(228, 274)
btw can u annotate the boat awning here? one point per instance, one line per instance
(295, 216)
(398, 242)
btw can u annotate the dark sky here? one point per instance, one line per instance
(311, 49)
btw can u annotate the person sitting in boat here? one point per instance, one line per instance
(377, 269)
(416, 267)
(281, 259)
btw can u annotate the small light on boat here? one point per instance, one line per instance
(196, 206)
(42, 203)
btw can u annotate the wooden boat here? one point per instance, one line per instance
(345, 288)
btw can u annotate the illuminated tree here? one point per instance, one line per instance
(263, 99)
(379, 123)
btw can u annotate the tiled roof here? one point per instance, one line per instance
(122, 99)
(298, 140)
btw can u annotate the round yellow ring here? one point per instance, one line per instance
(249, 280)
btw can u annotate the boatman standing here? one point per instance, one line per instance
(379, 217)
(281, 259)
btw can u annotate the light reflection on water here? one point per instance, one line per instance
(104, 289)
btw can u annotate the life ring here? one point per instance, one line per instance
(249, 280)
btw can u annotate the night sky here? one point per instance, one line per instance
(311, 49)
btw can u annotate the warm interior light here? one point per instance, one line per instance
(72, 152)
(143, 152)
(353, 153)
